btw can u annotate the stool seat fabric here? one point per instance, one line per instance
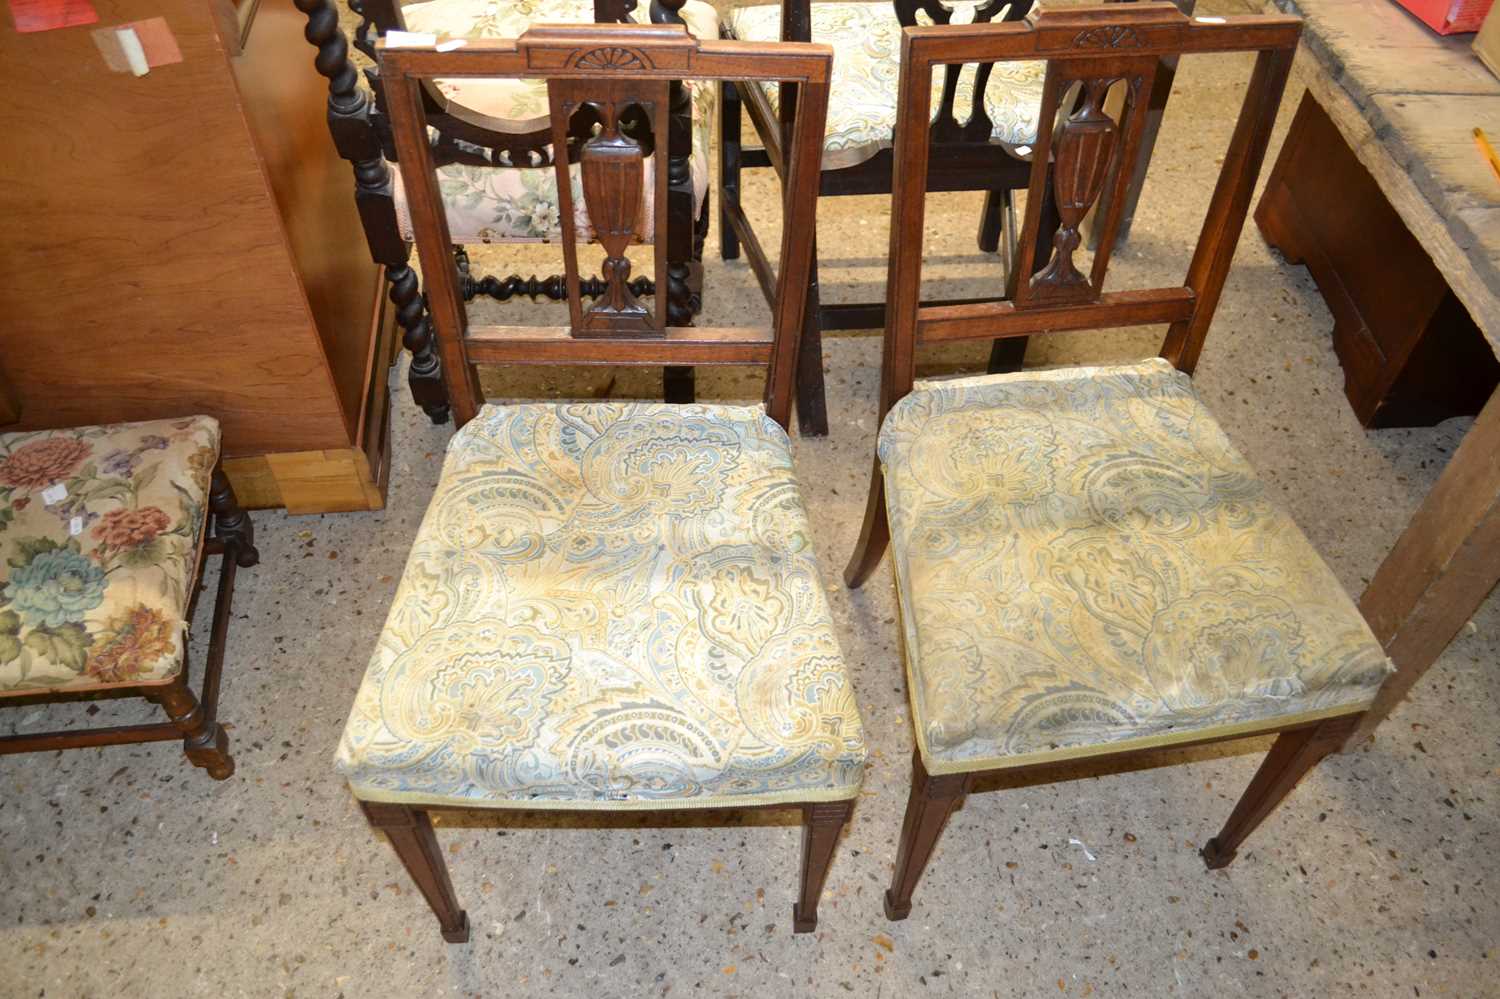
(100, 531)
(1084, 564)
(519, 204)
(609, 606)
(867, 69)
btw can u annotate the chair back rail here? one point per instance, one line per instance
(1094, 48)
(605, 70)
(460, 134)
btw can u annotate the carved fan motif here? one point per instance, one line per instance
(612, 57)
(1120, 36)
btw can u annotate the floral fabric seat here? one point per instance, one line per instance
(609, 606)
(519, 204)
(100, 530)
(867, 69)
(1085, 564)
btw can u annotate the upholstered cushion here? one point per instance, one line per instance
(520, 204)
(99, 535)
(609, 606)
(867, 70)
(1083, 561)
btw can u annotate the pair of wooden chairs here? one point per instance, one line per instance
(615, 606)
(104, 534)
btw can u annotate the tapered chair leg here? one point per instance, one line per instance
(822, 823)
(1291, 757)
(992, 220)
(874, 536)
(932, 800)
(812, 402)
(729, 167)
(410, 832)
(203, 740)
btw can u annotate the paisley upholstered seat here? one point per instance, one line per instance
(102, 528)
(1085, 564)
(486, 204)
(609, 606)
(862, 103)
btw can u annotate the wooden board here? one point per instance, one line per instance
(148, 273)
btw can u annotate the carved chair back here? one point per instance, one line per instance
(463, 135)
(1088, 49)
(598, 75)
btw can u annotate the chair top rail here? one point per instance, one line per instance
(1112, 31)
(639, 51)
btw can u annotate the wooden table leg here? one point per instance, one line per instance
(1442, 568)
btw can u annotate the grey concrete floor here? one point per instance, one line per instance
(127, 873)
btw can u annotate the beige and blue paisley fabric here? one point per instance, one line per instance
(867, 69)
(100, 529)
(1085, 564)
(609, 606)
(520, 204)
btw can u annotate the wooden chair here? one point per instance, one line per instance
(983, 127)
(492, 144)
(105, 534)
(1087, 571)
(609, 606)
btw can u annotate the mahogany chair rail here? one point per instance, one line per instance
(603, 75)
(361, 132)
(193, 718)
(1093, 157)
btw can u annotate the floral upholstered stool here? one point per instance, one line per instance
(103, 533)
(611, 607)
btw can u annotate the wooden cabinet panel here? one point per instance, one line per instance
(180, 242)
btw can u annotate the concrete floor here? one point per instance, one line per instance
(127, 873)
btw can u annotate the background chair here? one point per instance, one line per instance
(493, 146)
(984, 121)
(1086, 568)
(105, 533)
(609, 606)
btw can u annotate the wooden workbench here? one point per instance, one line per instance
(1406, 101)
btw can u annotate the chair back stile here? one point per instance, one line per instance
(607, 72)
(1093, 48)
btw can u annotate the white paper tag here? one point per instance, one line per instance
(1210, 20)
(409, 39)
(451, 44)
(54, 494)
(75, 526)
(1023, 150)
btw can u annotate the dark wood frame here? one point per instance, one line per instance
(361, 132)
(605, 71)
(193, 718)
(1094, 157)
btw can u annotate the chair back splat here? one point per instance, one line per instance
(1092, 49)
(608, 75)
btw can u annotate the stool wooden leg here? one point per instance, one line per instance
(231, 522)
(821, 824)
(410, 833)
(203, 741)
(1292, 755)
(932, 800)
